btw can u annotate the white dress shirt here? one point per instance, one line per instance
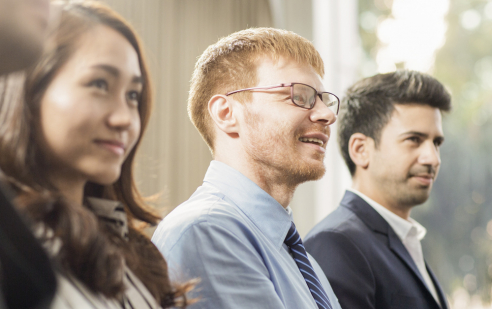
(410, 233)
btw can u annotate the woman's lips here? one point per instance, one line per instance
(115, 147)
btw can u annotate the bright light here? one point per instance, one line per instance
(488, 10)
(412, 35)
(470, 19)
(368, 21)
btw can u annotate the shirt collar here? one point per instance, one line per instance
(111, 212)
(401, 226)
(262, 209)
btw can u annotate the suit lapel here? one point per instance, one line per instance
(399, 249)
(379, 225)
(440, 292)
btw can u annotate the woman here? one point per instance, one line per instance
(67, 147)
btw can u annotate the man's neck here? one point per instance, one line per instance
(381, 198)
(274, 185)
(270, 181)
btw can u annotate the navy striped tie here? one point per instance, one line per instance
(293, 240)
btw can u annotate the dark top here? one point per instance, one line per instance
(365, 261)
(26, 276)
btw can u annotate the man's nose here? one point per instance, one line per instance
(322, 113)
(430, 154)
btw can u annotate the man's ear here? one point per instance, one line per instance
(359, 148)
(221, 109)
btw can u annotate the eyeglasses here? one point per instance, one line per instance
(303, 96)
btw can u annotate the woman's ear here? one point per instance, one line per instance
(221, 109)
(359, 149)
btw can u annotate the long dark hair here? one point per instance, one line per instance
(89, 251)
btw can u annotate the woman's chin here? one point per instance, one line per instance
(105, 179)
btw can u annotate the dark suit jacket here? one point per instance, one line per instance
(365, 261)
(27, 279)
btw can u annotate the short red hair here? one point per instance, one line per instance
(230, 64)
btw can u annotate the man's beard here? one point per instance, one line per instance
(411, 196)
(411, 199)
(269, 151)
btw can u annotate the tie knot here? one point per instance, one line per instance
(293, 238)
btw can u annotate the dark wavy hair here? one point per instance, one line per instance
(369, 104)
(90, 251)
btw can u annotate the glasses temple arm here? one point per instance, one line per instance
(255, 88)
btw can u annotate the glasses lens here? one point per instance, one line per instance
(331, 101)
(303, 95)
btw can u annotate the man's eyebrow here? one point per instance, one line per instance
(424, 135)
(116, 73)
(439, 138)
(283, 90)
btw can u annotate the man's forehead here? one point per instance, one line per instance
(416, 117)
(285, 69)
(414, 109)
(278, 62)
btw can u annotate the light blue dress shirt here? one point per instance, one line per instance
(230, 234)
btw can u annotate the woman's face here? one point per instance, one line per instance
(89, 118)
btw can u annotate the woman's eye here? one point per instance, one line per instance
(100, 84)
(133, 96)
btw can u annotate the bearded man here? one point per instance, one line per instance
(390, 133)
(258, 101)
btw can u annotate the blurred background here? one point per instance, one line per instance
(450, 39)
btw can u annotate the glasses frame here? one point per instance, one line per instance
(316, 94)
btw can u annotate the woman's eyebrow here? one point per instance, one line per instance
(108, 68)
(116, 72)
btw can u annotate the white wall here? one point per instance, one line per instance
(335, 35)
